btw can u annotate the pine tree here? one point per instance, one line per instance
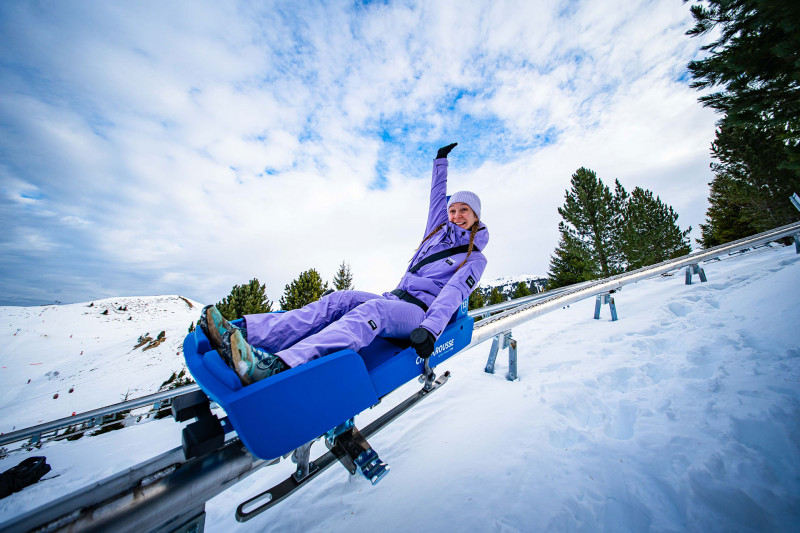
(603, 234)
(752, 184)
(649, 233)
(726, 217)
(307, 288)
(476, 299)
(753, 64)
(520, 289)
(571, 262)
(243, 300)
(589, 247)
(753, 61)
(495, 297)
(343, 281)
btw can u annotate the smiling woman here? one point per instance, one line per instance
(443, 272)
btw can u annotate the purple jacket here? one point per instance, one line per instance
(437, 283)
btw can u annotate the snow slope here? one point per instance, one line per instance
(684, 415)
(76, 347)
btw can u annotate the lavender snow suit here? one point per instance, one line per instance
(352, 319)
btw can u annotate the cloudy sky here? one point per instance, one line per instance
(184, 147)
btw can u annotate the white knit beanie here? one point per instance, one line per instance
(466, 197)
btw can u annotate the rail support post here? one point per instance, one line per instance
(302, 458)
(695, 269)
(796, 202)
(511, 344)
(507, 342)
(605, 299)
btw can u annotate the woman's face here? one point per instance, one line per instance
(461, 215)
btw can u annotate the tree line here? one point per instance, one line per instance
(251, 298)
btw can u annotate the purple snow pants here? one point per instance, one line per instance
(343, 319)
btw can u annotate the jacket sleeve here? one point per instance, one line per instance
(457, 289)
(437, 211)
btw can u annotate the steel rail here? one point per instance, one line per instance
(94, 415)
(492, 326)
(516, 302)
(166, 493)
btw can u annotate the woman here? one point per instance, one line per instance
(445, 269)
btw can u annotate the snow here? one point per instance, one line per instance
(76, 346)
(682, 415)
(509, 280)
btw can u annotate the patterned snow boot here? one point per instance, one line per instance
(214, 326)
(249, 363)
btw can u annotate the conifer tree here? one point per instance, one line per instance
(495, 297)
(589, 232)
(243, 300)
(649, 233)
(752, 184)
(520, 289)
(727, 216)
(343, 281)
(307, 288)
(753, 65)
(603, 234)
(571, 262)
(476, 299)
(753, 62)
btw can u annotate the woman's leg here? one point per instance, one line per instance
(356, 329)
(277, 331)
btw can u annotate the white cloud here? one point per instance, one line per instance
(192, 146)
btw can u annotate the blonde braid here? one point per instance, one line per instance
(472, 233)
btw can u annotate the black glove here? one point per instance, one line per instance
(422, 341)
(444, 150)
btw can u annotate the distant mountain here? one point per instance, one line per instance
(506, 284)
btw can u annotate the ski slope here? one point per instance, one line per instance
(88, 349)
(683, 415)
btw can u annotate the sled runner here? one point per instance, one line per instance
(282, 413)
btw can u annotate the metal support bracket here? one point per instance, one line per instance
(796, 202)
(301, 457)
(507, 342)
(695, 269)
(428, 375)
(354, 452)
(605, 299)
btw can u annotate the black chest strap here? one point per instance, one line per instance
(464, 248)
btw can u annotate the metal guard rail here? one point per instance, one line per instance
(544, 303)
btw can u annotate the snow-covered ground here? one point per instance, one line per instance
(84, 353)
(684, 415)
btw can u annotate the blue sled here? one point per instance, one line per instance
(279, 414)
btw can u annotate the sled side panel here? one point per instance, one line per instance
(281, 413)
(389, 373)
(274, 416)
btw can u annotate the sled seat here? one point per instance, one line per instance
(274, 416)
